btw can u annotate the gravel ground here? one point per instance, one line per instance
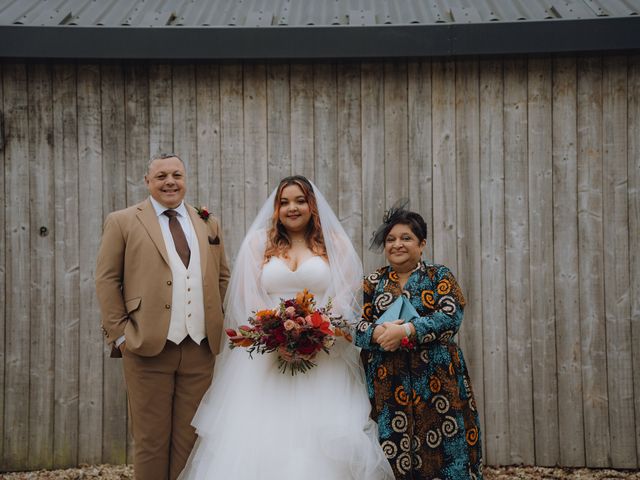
(125, 472)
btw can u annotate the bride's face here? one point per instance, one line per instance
(294, 212)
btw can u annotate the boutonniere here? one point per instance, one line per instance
(203, 213)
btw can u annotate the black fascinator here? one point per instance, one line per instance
(395, 212)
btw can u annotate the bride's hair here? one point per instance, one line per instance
(278, 241)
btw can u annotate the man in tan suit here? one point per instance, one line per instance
(161, 278)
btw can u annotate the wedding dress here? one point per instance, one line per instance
(256, 423)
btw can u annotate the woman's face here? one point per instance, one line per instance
(294, 212)
(402, 248)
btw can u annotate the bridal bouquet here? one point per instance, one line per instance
(296, 330)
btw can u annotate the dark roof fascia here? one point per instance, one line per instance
(316, 42)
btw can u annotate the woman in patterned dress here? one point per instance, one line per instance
(417, 378)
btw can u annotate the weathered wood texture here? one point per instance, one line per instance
(92, 352)
(633, 169)
(565, 258)
(492, 248)
(17, 293)
(526, 170)
(67, 279)
(517, 263)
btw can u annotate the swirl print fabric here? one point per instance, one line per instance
(422, 399)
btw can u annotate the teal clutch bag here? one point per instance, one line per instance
(400, 309)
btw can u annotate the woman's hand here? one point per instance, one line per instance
(377, 332)
(391, 335)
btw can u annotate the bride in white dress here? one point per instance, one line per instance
(258, 423)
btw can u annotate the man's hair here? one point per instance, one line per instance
(162, 156)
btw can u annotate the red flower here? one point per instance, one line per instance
(320, 322)
(306, 347)
(203, 212)
(407, 344)
(279, 336)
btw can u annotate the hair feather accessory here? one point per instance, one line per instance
(378, 236)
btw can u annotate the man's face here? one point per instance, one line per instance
(166, 181)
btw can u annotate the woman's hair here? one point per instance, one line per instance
(398, 214)
(278, 241)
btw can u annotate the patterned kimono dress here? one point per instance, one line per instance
(421, 397)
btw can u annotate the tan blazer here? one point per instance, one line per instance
(133, 279)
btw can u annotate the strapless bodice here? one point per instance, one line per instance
(281, 282)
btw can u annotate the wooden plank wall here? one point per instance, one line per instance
(527, 171)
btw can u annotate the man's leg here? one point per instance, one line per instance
(150, 388)
(192, 380)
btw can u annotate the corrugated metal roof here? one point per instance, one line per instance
(308, 29)
(273, 13)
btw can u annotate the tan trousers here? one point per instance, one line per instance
(163, 393)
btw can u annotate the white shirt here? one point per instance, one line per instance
(183, 218)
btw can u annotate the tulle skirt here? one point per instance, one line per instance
(256, 423)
